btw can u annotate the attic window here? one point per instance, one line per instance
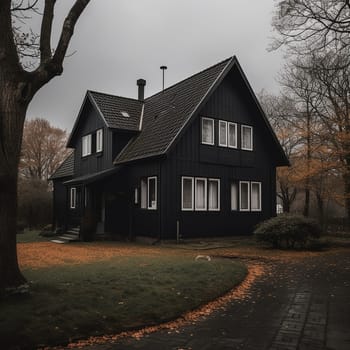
(125, 114)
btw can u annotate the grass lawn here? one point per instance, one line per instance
(143, 286)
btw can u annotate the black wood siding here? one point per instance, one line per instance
(146, 222)
(230, 102)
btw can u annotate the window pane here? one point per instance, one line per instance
(213, 195)
(222, 133)
(187, 193)
(232, 135)
(86, 145)
(143, 193)
(201, 194)
(73, 197)
(152, 194)
(244, 195)
(99, 140)
(247, 142)
(208, 131)
(256, 201)
(234, 196)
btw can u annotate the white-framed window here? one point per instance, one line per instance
(232, 135)
(234, 196)
(214, 194)
(86, 145)
(246, 137)
(187, 193)
(152, 193)
(244, 196)
(73, 197)
(144, 193)
(200, 193)
(255, 201)
(222, 133)
(99, 140)
(207, 131)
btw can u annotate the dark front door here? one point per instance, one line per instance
(117, 215)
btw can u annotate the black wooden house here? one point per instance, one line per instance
(197, 159)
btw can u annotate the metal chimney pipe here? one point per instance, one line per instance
(163, 68)
(141, 91)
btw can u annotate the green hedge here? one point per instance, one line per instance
(288, 231)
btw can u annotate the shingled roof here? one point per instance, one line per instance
(118, 112)
(167, 112)
(66, 168)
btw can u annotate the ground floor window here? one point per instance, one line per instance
(152, 192)
(234, 196)
(144, 193)
(187, 193)
(247, 194)
(148, 193)
(244, 196)
(214, 194)
(73, 197)
(200, 194)
(256, 196)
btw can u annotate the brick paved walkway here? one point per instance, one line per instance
(300, 305)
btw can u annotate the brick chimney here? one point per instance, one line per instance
(141, 93)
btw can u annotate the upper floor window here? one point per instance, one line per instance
(232, 135)
(99, 140)
(222, 133)
(247, 137)
(227, 134)
(86, 145)
(208, 131)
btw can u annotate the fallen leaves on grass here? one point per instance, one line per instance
(45, 254)
(239, 293)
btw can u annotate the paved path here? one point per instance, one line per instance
(303, 304)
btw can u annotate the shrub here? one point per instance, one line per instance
(287, 231)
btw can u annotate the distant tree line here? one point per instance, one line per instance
(311, 115)
(43, 150)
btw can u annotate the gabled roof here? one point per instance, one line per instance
(94, 177)
(167, 113)
(66, 168)
(117, 112)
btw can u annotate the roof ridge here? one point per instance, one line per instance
(123, 97)
(191, 76)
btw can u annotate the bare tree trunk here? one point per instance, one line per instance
(308, 161)
(12, 114)
(346, 179)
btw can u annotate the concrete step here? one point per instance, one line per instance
(69, 237)
(58, 241)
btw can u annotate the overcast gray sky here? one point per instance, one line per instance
(118, 41)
